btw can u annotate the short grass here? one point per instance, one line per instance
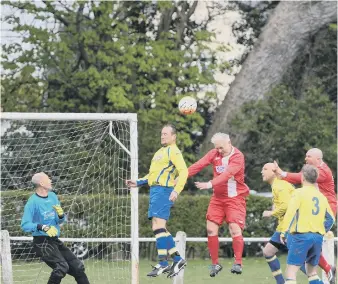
(255, 271)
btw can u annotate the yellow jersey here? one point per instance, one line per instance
(281, 192)
(308, 212)
(166, 164)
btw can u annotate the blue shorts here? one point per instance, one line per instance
(305, 247)
(275, 241)
(159, 203)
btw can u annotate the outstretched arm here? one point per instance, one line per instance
(201, 163)
(294, 178)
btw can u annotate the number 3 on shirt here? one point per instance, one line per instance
(316, 203)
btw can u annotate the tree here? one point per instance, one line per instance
(316, 65)
(283, 127)
(254, 17)
(110, 57)
(285, 34)
(23, 92)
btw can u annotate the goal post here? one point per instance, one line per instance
(5, 258)
(88, 156)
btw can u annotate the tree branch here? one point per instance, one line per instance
(192, 9)
(165, 21)
(83, 53)
(56, 13)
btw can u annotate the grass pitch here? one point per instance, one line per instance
(255, 271)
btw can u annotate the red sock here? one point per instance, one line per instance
(213, 245)
(323, 264)
(238, 247)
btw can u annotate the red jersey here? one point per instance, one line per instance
(325, 182)
(228, 178)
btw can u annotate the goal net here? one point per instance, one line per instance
(88, 158)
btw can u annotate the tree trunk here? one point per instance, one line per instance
(289, 28)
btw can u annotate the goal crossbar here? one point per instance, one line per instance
(68, 116)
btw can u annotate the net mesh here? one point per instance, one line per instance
(88, 169)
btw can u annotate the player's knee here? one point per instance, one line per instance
(156, 227)
(212, 230)
(60, 270)
(267, 252)
(235, 230)
(158, 223)
(77, 268)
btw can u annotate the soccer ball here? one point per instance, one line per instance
(187, 105)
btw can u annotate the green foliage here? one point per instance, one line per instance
(316, 65)
(77, 155)
(109, 57)
(22, 93)
(283, 127)
(188, 215)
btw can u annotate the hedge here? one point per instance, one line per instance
(101, 213)
(104, 216)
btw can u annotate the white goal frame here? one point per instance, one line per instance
(133, 153)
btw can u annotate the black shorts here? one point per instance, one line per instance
(57, 256)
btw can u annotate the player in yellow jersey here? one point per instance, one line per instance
(166, 165)
(307, 219)
(281, 191)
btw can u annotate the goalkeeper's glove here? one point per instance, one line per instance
(50, 231)
(59, 211)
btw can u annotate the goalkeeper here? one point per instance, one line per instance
(166, 164)
(42, 217)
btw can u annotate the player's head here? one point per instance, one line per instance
(268, 172)
(41, 180)
(309, 174)
(314, 157)
(222, 143)
(168, 134)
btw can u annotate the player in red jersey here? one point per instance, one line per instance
(325, 184)
(228, 200)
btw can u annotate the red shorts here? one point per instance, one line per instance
(229, 210)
